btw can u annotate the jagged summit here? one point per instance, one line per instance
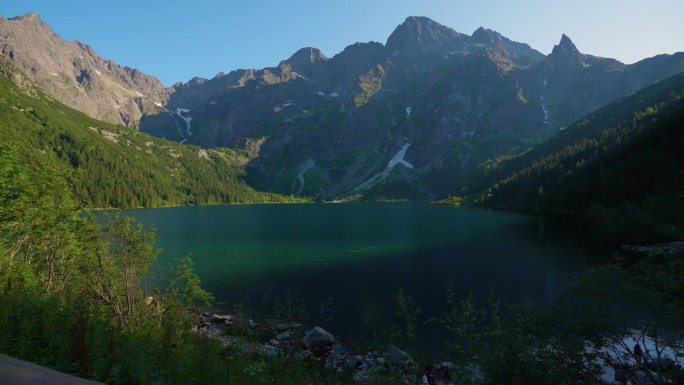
(565, 47)
(32, 21)
(422, 32)
(485, 36)
(307, 55)
(522, 53)
(73, 73)
(30, 16)
(324, 127)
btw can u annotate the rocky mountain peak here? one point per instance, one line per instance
(486, 36)
(421, 32)
(32, 21)
(74, 74)
(31, 17)
(565, 57)
(565, 48)
(306, 55)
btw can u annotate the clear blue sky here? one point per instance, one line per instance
(177, 40)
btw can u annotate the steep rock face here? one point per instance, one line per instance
(422, 34)
(524, 55)
(572, 84)
(74, 74)
(413, 117)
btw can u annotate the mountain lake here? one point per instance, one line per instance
(344, 263)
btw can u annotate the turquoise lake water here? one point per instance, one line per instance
(360, 254)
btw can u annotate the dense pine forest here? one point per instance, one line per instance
(114, 166)
(622, 167)
(74, 288)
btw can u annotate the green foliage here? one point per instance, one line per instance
(519, 344)
(450, 201)
(496, 343)
(409, 312)
(628, 153)
(74, 298)
(114, 166)
(639, 295)
(369, 84)
(290, 306)
(186, 287)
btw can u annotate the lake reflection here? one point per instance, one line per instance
(361, 254)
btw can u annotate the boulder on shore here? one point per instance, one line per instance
(284, 336)
(398, 357)
(222, 319)
(317, 338)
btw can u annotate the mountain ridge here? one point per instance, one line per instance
(325, 127)
(72, 72)
(107, 165)
(621, 166)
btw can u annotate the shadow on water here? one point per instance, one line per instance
(361, 254)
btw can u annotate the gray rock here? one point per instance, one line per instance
(398, 356)
(281, 327)
(74, 74)
(317, 338)
(222, 319)
(274, 342)
(268, 349)
(285, 336)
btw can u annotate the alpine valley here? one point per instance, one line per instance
(590, 145)
(409, 119)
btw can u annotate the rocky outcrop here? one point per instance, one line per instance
(317, 338)
(74, 74)
(326, 127)
(316, 344)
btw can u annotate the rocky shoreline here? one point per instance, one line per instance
(318, 343)
(657, 249)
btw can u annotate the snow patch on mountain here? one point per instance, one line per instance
(375, 179)
(545, 110)
(303, 77)
(298, 186)
(183, 113)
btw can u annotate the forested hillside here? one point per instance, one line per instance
(114, 166)
(74, 291)
(73, 295)
(623, 166)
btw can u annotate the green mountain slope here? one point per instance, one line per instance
(623, 166)
(114, 166)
